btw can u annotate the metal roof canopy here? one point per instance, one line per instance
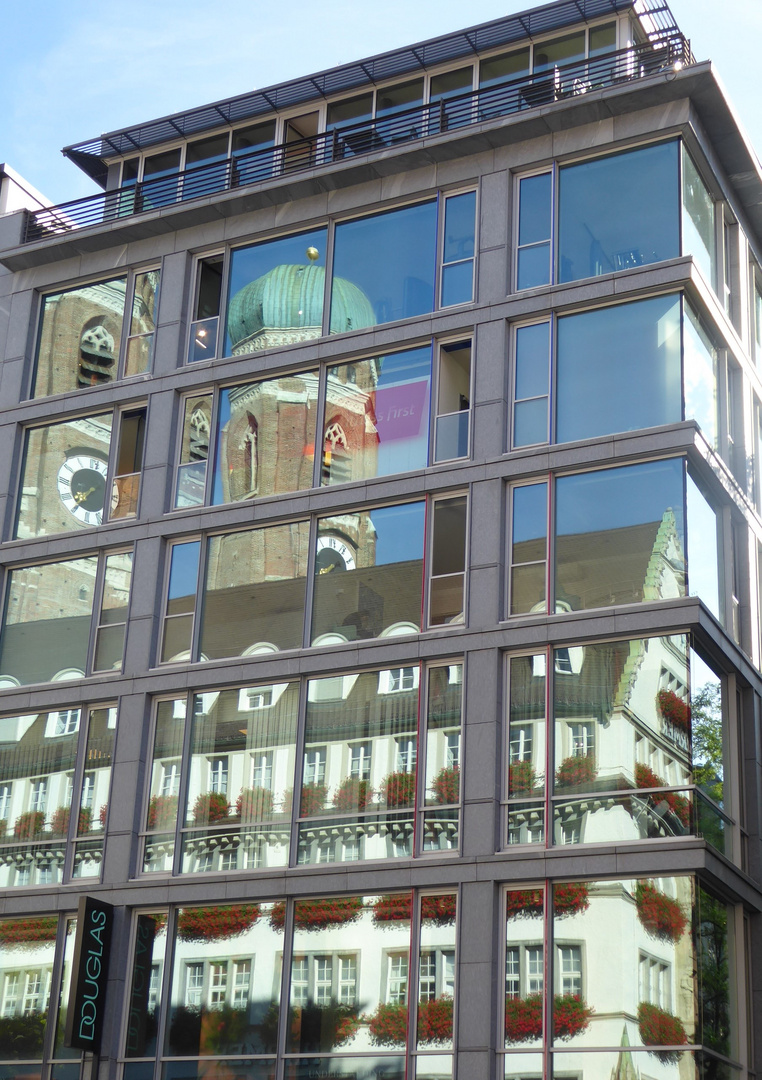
(93, 156)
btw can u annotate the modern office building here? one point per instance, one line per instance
(381, 555)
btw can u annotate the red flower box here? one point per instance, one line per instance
(659, 1028)
(254, 804)
(680, 805)
(102, 813)
(398, 907)
(313, 799)
(571, 898)
(318, 914)
(523, 1017)
(521, 779)
(59, 822)
(162, 812)
(398, 789)
(29, 825)
(674, 709)
(662, 916)
(446, 786)
(575, 772)
(27, 933)
(352, 795)
(388, 1025)
(210, 807)
(216, 923)
(435, 1020)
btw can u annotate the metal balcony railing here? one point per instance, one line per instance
(668, 52)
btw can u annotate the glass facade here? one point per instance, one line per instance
(382, 637)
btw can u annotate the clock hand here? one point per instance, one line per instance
(81, 496)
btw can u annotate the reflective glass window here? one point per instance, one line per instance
(618, 211)
(453, 406)
(384, 267)
(50, 763)
(241, 774)
(534, 231)
(258, 316)
(642, 716)
(620, 535)
(49, 614)
(181, 600)
(698, 220)
(596, 391)
(254, 590)
(458, 249)
(26, 978)
(700, 360)
(378, 554)
(190, 484)
(265, 437)
(377, 416)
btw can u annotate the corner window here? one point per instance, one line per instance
(570, 361)
(620, 537)
(96, 333)
(64, 620)
(55, 778)
(617, 212)
(80, 472)
(657, 991)
(650, 765)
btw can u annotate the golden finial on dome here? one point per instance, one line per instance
(312, 254)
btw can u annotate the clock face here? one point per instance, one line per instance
(333, 554)
(82, 487)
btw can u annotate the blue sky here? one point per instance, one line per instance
(71, 70)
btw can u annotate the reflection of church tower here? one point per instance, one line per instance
(285, 306)
(267, 442)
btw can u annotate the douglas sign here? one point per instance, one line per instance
(84, 1020)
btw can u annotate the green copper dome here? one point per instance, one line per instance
(291, 297)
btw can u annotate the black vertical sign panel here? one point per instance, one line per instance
(87, 997)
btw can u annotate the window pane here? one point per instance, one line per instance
(620, 535)
(46, 630)
(656, 914)
(161, 816)
(534, 209)
(560, 50)
(524, 970)
(194, 451)
(265, 438)
(181, 599)
(703, 549)
(598, 354)
(443, 758)
(80, 334)
(698, 220)
(458, 248)
(260, 276)
(109, 643)
(354, 725)
(619, 211)
(526, 749)
(25, 985)
(145, 985)
(350, 957)
(506, 66)
(700, 377)
(207, 1012)
(383, 267)
(377, 416)
(93, 803)
(448, 561)
(379, 556)
(254, 590)
(529, 542)
(436, 971)
(64, 476)
(715, 946)
(241, 776)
